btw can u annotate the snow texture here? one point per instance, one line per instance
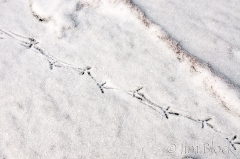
(101, 79)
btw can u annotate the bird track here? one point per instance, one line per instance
(32, 44)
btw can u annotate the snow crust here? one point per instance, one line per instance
(99, 79)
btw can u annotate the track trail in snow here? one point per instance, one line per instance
(167, 112)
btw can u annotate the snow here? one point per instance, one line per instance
(98, 79)
(208, 30)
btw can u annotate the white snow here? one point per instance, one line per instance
(209, 30)
(98, 79)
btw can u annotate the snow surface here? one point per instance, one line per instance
(99, 79)
(209, 30)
